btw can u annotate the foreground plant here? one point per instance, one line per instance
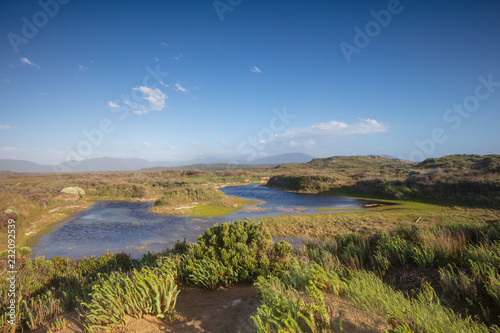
(284, 309)
(234, 252)
(148, 291)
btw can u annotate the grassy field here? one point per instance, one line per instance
(423, 260)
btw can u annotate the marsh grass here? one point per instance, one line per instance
(374, 220)
(220, 207)
(460, 261)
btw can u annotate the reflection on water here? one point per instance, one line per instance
(130, 227)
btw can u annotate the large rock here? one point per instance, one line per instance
(73, 191)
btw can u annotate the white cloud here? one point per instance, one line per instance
(163, 44)
(25, 61)
(255, 69)
(168, 146)
(164, 84)
(180, 56)
(82, 68)
(156, 59)
(155, 97)
(333, 130)
(5, 127)
(226, 143)
(113, 105)
(91, 61)
(147, 144)
(7, 80)
(44, 94)
(180, 88)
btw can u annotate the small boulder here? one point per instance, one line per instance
(11, 213)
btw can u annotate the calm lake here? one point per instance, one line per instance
(115, 226)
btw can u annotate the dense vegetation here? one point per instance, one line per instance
(457, 179)
(422, 279)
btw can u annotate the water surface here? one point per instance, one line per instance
(115, 226)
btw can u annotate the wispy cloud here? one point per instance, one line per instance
(156, 59)
(163, 44)
(147, 144)
(7, 80)
(198, 145)
(333, 130)
(180, 88)
(164, 84)
(5, 127)
(25, 61)
(226, 143)
(44, 94)
(82, 68)
(113, 105)
(255, 69)
(180, 56)
(155, 97)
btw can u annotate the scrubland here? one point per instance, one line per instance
(426, 260)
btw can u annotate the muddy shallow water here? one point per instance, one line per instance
(129, 227)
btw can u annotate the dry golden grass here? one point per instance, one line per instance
(372, 221)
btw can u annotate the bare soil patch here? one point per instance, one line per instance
(229, 310)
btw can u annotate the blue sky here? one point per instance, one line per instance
(176, 80)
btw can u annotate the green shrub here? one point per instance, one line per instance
(238, 251)
(210, 274)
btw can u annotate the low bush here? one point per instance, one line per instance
(233, 252)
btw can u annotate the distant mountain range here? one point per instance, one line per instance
(131, 164)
